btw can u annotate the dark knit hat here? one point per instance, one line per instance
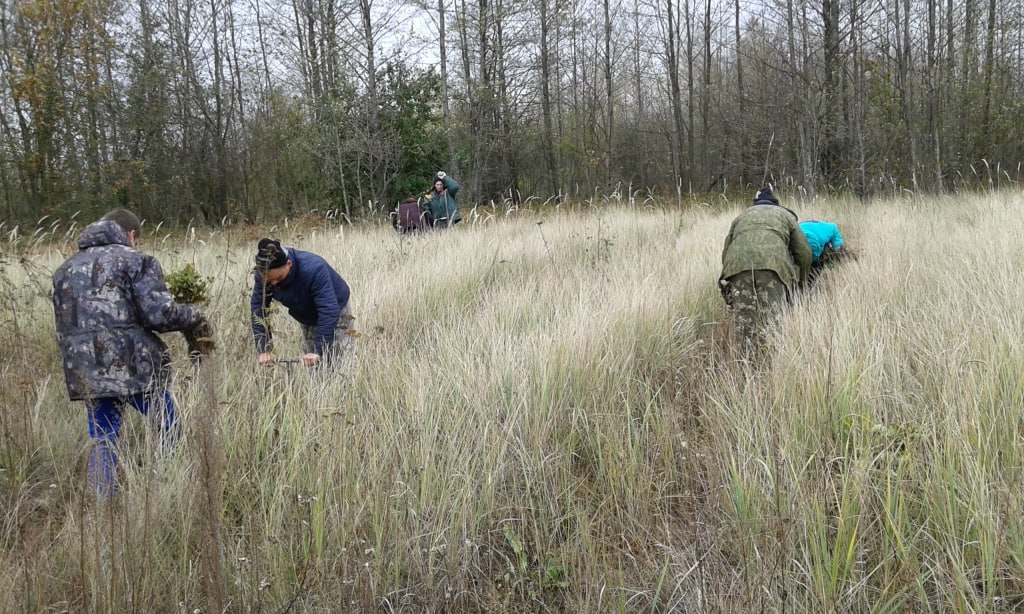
(270, 255)
(764, 196)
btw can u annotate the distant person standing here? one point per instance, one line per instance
(826, 246)
(440, 201)
(313, 292)
(109, 303)
(765, 258)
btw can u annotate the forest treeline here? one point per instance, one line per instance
(214, 110)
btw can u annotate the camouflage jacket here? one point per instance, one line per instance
(767, 237)
(109, 301)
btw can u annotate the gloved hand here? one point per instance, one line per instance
(441, 175)
(200, 340)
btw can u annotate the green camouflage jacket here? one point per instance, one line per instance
(767, 237)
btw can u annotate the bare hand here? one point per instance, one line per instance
(310, 359)
(266, 359)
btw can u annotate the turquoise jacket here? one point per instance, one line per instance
(820, 234)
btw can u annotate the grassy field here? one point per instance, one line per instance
(545, 414)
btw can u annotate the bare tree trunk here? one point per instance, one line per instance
(950, 99)
(741, 102)
(244, 158)
(559, 120)
(545, 101)
(309, 51)
(219, 191)
(800, 92)
(329, 48)
(691, 157)
(986, 117)
(465, 53)
(373, 172)
(7, 184)
(705, 95)
(366, 16)
(574, 103)
(88, 77)
(446, 111)
(830, 162)
(261, 38)
(794, 85)
(484, 101)
(114, 143)
(609, 101)
(950, 39)
(473, 95)
(340, 153)
(28, 172)
(904, 60)
(638, 80)
(503, 109)
(180, 24)
(934, 112)
(675, 91)
(967, 77)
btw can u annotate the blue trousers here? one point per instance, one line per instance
(105, 427)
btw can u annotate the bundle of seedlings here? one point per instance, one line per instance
(188, 286)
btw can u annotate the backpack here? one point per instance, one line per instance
(410, 217)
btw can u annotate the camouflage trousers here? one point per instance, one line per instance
(755, 298)
(344, 336)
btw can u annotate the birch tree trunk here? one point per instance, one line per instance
(547, 139)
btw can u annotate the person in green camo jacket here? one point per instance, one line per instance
(765, 259)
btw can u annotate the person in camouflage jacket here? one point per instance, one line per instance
(765, 258)
(109, 301)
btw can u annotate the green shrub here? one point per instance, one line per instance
(188, 286)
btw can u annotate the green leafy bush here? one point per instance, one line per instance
(188, 286)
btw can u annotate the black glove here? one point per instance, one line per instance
(200, 340)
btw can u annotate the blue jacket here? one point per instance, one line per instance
(820, 234)
(314, 294)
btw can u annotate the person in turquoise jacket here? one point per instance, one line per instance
(440, 202)
(821, 235)
(826, 244)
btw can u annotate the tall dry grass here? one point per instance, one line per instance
(544, 413)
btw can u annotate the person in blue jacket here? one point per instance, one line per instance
(826, 245)
(314, 293)
(822, 235)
